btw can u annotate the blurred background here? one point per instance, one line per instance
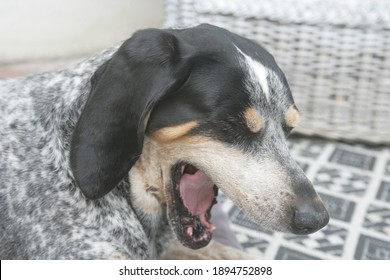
(46, 34)
(336, 57)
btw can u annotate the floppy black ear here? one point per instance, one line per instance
(108, 137)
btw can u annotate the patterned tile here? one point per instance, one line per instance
(342, 181)
(378, 219)
(384, 191)
(289, 254)
(387, 168)
(237, 217)
(329, 240)
(252, 244)
(353, 159)
(369, 248)
(338, 208)
(306, 148)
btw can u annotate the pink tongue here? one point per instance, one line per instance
(197, 192)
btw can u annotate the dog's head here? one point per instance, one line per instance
(187, 112)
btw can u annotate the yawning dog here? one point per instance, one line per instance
(115, 156)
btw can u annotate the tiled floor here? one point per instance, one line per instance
(354, 183)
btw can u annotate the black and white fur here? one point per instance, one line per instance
(86, 171)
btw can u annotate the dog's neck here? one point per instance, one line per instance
(147, 194)
(146, 180)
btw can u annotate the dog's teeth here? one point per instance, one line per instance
(190, 231)
(206, 236)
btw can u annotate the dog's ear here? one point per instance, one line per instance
(108, 137)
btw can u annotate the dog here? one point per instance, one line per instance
(118, 155)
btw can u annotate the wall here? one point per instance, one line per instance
(46, 29)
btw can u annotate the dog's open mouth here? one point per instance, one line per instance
(194, 194)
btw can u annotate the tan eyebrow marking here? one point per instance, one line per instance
(292, 117)
(252, 120)
(173, 132)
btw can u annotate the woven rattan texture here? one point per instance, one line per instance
(335, 54)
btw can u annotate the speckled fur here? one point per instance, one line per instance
(43, 215)
(88, 132)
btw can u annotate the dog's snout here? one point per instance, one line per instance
(309, 219)
(309, 213)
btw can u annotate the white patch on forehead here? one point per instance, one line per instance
(257, 74)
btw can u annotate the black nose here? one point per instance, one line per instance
(308, 220)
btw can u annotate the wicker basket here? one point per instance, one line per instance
(335, 54)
